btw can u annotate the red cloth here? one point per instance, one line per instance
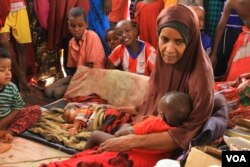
(151, 124)
(41, 8)
(147, 27)
(108, 159)
(26, 117)
(93, 97)
(239, 62)
(119, 10)
(5, 9)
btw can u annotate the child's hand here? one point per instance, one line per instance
(66, 126)
(71, 132)
(5, 137)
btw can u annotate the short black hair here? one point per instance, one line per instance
(4, 53)
(179, 105)
(77, 12)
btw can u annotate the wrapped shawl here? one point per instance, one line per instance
(192, 74)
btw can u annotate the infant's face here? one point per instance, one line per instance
(69, 115)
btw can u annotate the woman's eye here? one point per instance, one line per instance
(179, 42)
(164, 39)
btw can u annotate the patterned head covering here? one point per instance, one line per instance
(181, 28)
(192, 74)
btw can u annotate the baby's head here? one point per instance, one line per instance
(5, 67)
(77, 22)
(200, 12)
(70, 114)
(174, 107)
(126, 32)
(111, 38)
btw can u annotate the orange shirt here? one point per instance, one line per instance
(119, 10)
(88, 50)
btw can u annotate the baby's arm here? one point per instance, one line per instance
(126, 129)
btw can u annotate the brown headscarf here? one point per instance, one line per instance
(192, 74)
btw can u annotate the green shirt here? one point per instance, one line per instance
(10, 99)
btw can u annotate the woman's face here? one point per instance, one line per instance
(171, 45)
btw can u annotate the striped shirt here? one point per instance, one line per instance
(140, 63)
(10, 99)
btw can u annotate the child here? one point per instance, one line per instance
(76, 118)
(134, 55)
(173, 109)
(85, 48)
(12, 117)
(234, 16)
(144, 10)
(206, 39)
(111, 38)
(17, 23)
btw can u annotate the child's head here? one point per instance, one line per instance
(175, 107)
(70, 114)
(200, 12)
(112, 39)
(77, 22)
(5, 67)
(126, 32)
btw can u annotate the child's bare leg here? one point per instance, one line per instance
(96, 138)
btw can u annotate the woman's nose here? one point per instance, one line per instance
(169, 47)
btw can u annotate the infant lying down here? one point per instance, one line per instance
(80, 117)
(77, 118)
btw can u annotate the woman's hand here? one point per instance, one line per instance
(118, 144)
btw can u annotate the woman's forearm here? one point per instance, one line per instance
(161, 141)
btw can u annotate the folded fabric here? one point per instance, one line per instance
(216, 124)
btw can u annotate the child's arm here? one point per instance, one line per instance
(219, 32)
(76, 126)
(128, 109)
(8, 119)
(96, 138)
(110, 65)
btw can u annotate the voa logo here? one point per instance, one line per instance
(236, 158)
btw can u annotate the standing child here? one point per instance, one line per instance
(235, 14)
(147, 28)
(12, 117)
(134, 55)
(17, 24)
(85, 48)
(206, 39)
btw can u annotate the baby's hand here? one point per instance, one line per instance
(71, 132)
(66, 126)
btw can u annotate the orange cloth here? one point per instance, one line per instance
(151, 124)
(119, 10)
(89, 49)
(239, 62)
(168, 3)
(147, 27)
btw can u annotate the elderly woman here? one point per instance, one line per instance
(181, 65)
